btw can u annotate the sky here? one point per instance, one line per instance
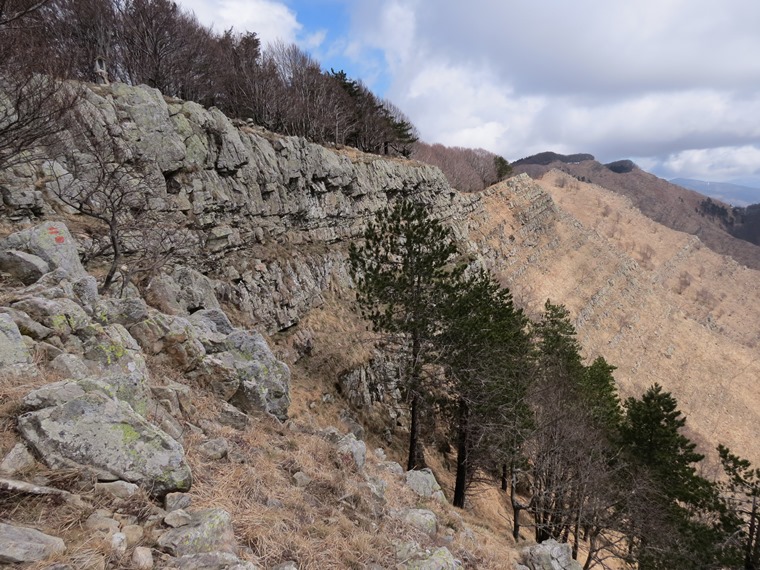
(673, 85)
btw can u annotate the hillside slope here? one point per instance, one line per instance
(668, 204)
(654, 302)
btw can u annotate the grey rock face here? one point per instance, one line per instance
(70, 366)
(19, 544)
(207, 531)
(424, 484)
(26, 325)
(248, 375)
(61, 315)
(438, 559)
(171, 339)
(421, 519)
(549, 555)
(265, 381)
(107, 437)
(183, 292)
(13, 350)
(51, 242)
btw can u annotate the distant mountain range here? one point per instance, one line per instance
(734, 194)
(726, 229)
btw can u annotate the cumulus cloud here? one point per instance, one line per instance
(673, 82)
(270, 19)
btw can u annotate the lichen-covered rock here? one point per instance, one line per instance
(57, 393)
(70, 366)
(170, 339)
(208, 531)
(13, 350)
(214, 449)
(183, 292)
(20, 544)
(265, 381)
(26, 325)
(421, 519)
(61, 315)
(126, 311)
(247, 375)
(25, 267)
(120, 364)
(438, 559)
(107, 437)
(51, 242)
(549, 555)
(211, 327)
(424, 484)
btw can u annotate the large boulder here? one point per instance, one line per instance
(13, 350)
(106, 436)
(351, 451)
(63, 316)
(248, 375)
(51, 242)
(424, 484)
(549, 555)
(170, 339)
(183, 292)
(116, 357)
(21, 544)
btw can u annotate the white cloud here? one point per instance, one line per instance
(722, 163)
(653, 78)
(271, 20)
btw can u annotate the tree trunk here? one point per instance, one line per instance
(748, 558)
(462, 456)
(516, 506)
(116, 246)
(504, 477)
(416, 456)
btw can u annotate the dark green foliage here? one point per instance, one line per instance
(652, 436)
(621, 166)
(503, 168)
(401, 273)
(559, 351)
(486, 349)
(686, 525)
(598, 390)
(546, 158)
(742, 493)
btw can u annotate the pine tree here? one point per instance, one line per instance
(486, 351)
(400, 272)
(683, 527)
(742, 491)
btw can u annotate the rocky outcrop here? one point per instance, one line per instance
(275, 212)
(549, 555)
(97, 419)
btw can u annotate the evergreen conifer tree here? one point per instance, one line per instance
(400, 272)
